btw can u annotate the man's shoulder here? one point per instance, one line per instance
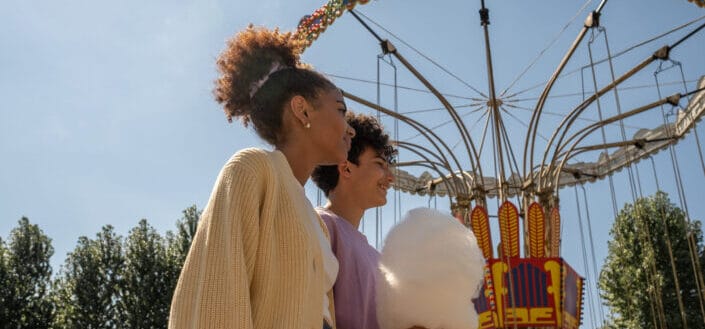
(328, 217)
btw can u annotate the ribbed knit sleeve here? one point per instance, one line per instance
(214, 287)
(255, 261)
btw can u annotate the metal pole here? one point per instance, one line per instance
(493, 103)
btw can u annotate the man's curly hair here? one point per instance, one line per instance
(248, 58)
(368, 133)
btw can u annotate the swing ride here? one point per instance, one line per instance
(527, 282)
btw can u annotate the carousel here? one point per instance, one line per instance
(506, 191)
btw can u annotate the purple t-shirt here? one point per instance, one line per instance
(354, 289)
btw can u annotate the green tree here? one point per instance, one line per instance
(27, 278)
(179, 243)
(147, 291)
(5, 287)
(87, 292)
(637, 279)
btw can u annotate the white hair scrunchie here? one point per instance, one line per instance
(255, 86)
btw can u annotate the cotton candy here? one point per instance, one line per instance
(430, 269)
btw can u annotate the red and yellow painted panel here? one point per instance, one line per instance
(537, 230)
(555, 246)
(509, 229)
(480, 224)
(530, 292)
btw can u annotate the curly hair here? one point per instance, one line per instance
(247, 59)
(368, 133)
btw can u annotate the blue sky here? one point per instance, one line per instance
(107, 116)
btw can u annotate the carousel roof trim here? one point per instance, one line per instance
(647, 142)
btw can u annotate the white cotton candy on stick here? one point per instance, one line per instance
(430, 269)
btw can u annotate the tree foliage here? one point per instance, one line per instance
(179, 244)
(5, 292)
(5, 287)
(105, 282)
(152, 269)
(25, 273)
(147, 289)
(88, 289)
(637, 279)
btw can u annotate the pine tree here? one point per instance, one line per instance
(179, 244)
(5, 286)
(87, 292)
(27, 278)
(147, 290)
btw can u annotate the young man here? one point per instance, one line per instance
(352, 187)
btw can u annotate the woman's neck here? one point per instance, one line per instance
(299, 160)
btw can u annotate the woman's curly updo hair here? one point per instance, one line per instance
(246, 62)
(368, 133)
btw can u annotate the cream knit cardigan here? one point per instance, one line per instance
(255, 261)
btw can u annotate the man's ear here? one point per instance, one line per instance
(299, 107)
(344, 169)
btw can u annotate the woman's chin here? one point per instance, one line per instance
(342, 157)
(334, 160)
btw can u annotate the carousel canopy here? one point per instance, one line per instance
(643, 144)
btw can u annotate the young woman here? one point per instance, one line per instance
(260, 257)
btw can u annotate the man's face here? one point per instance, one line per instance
(370, 179)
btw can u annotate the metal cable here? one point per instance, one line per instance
(512, 99)
(616, 55)
(425, 91)
(475, 105)
(484, 131)
(679, 187)
(420, 53)
(443, 124)
(550, 44)
(591, 304)
(508, 148)
(609, 177)
(694, 257)
(669, 247)
(632, 181)
(563, 115)
(656, 302)
(695, 132)
(592, 249)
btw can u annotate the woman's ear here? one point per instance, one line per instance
(299, 108)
